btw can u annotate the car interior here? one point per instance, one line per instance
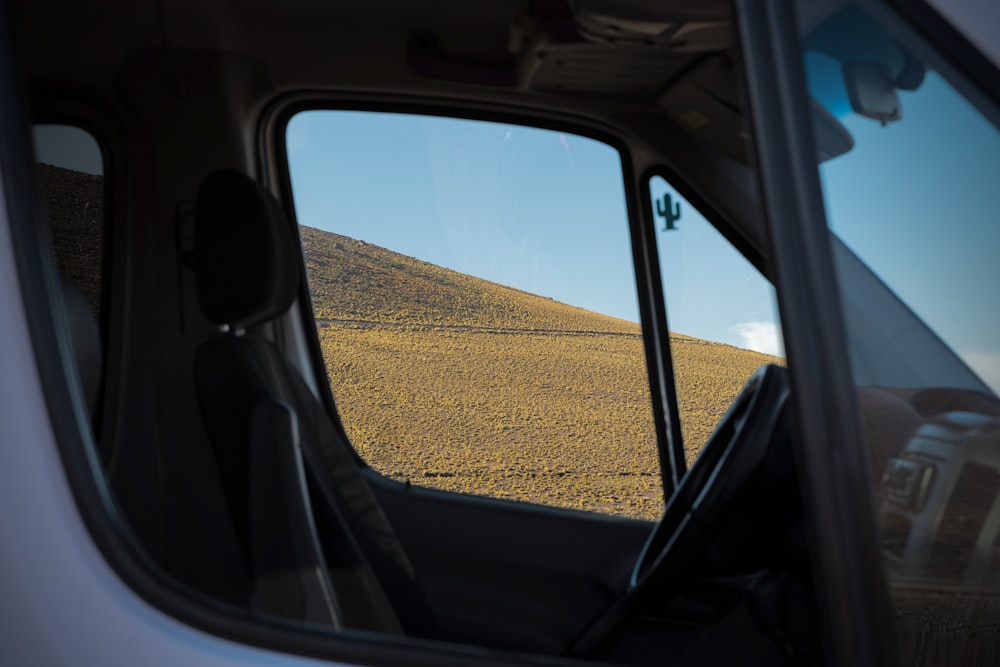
(218, 437)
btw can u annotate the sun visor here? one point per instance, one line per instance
(705, 103)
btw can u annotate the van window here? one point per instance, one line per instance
(71, 171)
(721, 311)
(475, 299)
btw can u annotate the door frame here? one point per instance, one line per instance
(853, 599)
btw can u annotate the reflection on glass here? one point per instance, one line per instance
(912, 206)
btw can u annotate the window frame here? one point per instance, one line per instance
(739, 243)
(106, 125)
(852, 592)
(76, 453)
(97, 131)
(947, 40)
(659, 368)
(286, 642)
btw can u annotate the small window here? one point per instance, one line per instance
(721, 312)
(475, 300)
(71, 172)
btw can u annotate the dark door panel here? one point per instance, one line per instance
(511, 574)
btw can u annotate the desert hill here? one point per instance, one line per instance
(351, 280)
(451, 381)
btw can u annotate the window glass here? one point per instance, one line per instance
(721, 312)
(71, 172)
(475, 301)
(912, 210)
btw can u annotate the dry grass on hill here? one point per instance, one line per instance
(559, 419)
(709, 376)
(457, 383)
(359, 282)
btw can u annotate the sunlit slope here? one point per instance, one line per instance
(455, 382)
(354, 280)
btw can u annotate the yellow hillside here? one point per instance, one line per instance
(454, 382)
(355, 281)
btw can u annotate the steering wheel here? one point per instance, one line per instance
(728, 461)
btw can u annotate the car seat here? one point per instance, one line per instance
(317, 545)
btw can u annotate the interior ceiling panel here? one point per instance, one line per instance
(526, 50)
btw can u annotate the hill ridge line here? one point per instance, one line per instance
(323, 322)
(429, 326)
(399, 261)
(361, 285)
(355, 279)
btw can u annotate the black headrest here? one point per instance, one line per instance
(246, 258)
(86, 340)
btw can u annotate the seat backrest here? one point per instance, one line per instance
(317, 544)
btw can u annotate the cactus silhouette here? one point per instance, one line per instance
(670, 212)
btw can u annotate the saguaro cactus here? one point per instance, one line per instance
(670, 212)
